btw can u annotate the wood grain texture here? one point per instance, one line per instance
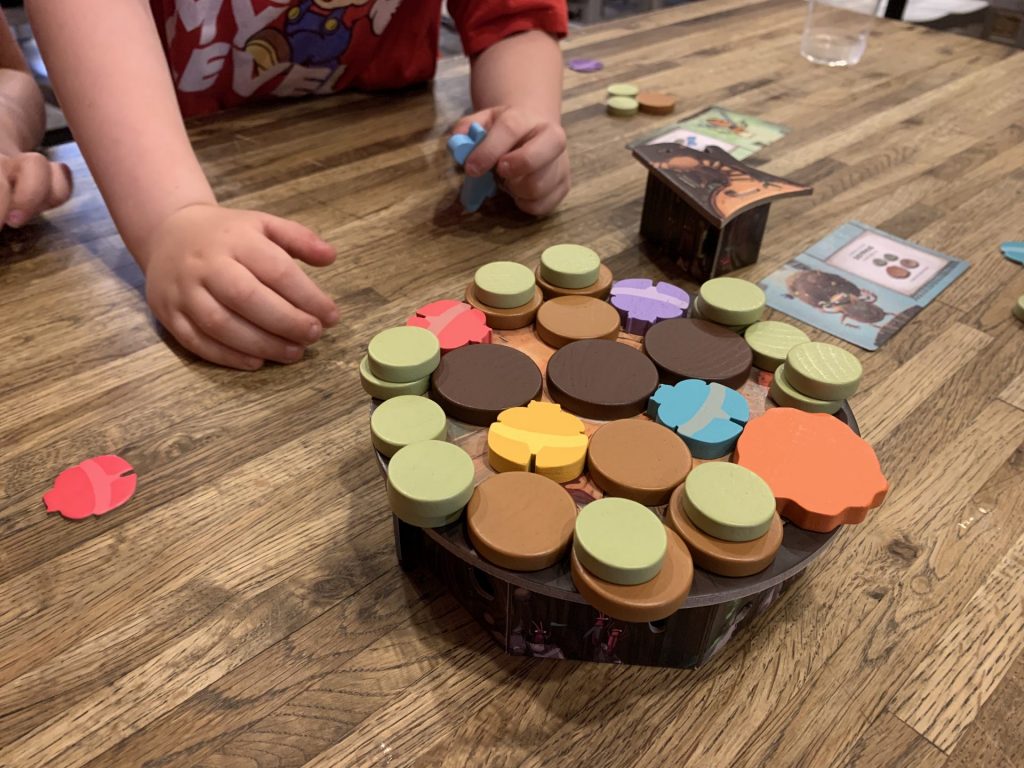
(246, 609)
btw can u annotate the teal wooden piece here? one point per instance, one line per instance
(475, 189)
(709, 417)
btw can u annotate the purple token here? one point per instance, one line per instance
(585, 65)
(641, 304)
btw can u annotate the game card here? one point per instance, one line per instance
(739, 135)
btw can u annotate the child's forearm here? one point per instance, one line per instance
(522, 71)
(108, 68)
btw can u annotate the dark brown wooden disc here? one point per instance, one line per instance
(601, 379)
(685, 348)
(574, 318)
(639, 460)
(477, 382)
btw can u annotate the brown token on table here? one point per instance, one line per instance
(638, 460)
(477, 382)
(573, 318)
(599, 290)
(654, 600)
(655, 103)
(601, 379)
(724, 558)
(684, 348)
(521, 521)
(506, 319)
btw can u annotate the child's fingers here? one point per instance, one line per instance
(508, 130)
(276, 269)
(234, 286)
(300, 242)
(197, 342)
(484, 117)
(31, 188)
(61, 185)
(219, 323)
(536, 185)
(546, 204)
(543, 149)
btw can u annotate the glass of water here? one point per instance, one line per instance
(836, 31)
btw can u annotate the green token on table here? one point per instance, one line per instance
(429, 483)
(384, 390)
(404, 354)
(728, 502)
(622, 106)
(623, 89)
(504, 284)
(620, 541)
(570, 266)
(404, 420)
(731, 301)
(771, 340)
(1018, 309)
(786, 395)
(824, 371)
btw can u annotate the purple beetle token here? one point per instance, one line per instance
(585, 65)
(641, 304)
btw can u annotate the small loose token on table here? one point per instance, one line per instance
(620, 541)
(728, 502)
(627, 90)
(786, 395)
(622, 106)
(574, 318)
(599, 289)
(383, 390)
(504, 284)
(655, 103)
(585, 65)
(570, 266)
(731, 301)
(638, 460)
(771, 341)
(404, 420)
(476, 383)
(601, 379)
(404, 354)
(506, 319)
(1018, 309)
(429, 483)
(823, 371)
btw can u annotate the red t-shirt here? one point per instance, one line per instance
(226, 52)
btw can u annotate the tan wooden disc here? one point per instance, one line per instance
(521, 521)
(638, 460)
(725, 558)
(506, 319)
(655, 103)
(574, 318)
(654, 600)
(599, 290)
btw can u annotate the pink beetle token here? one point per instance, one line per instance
(455, 323)
(641, 303)
(93, 487)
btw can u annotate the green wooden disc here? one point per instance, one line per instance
(786, 395)
(1018, 308)
(771, 340)
(429, 483)
(620, 541)
(404, 354)
(385, 390)
(731, 301)
(823, 371)
(404, 420)
(622, 106)
(728, 501)
(695, 313)
(623, 89)
(504, 284)
(570, 266)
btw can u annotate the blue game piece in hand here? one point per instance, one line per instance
(709, 417)
(475, 189)
(1014, 251)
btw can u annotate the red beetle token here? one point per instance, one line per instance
(455, 323)
(93, 487)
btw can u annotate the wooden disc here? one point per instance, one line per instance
(429, 483)
(685, 348)
(622, 106)
(731, 301)
(383, 390)
(404, 354)
(601, 379)
(728, 501)
(771, 340)
(1018, 309)
(573, 318)
(724, 558)
(655, 103)
(658, 599)
(475, 383)
(619, 541)
(823, 371)
(506, 319)
(627, 90)
(568, 265)
(696, 313)
(504, 284)
(638, 460)
(404, 420)
(786, 395)
(598, 290)
(521, 521)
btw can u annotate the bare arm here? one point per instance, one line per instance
(536, 60)
(22, 120)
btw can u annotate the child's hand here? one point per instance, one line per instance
(29, 185)
(225, 284)
(526, 152)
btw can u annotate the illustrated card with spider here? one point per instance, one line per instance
(738, 134)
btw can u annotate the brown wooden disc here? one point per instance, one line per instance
(506, 319)
(573, 318)
(477, 382)
(599, 290)
(656, 103)
(601, 379)
(654, 600)
(639, 460)
(521, 521)
(725, 558)
(685, 348)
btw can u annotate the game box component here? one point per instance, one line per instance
(455, 324)
(576, 318)
(686, 348)
(709, 417)
(637, 460)
(539, 438)
(476, 383)
(619, 541)
(823, 371)
(641, 303)
(782, 392)
(728, 502)
(601, 379)
(406, 419)
(429, 483)
(770, 342)
(705, 209)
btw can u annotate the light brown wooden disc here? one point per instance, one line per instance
(656, 103)
(599, 290)
(638, 460)
(574, 318)
(654, 600)
(506, 319)
(521, 521)
(725, 558)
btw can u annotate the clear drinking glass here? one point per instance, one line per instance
(836, 31)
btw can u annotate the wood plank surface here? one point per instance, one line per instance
(246, 608)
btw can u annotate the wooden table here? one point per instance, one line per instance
(245, 608)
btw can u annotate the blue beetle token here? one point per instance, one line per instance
(1014, 251)
(709, 417)
(475, 189)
